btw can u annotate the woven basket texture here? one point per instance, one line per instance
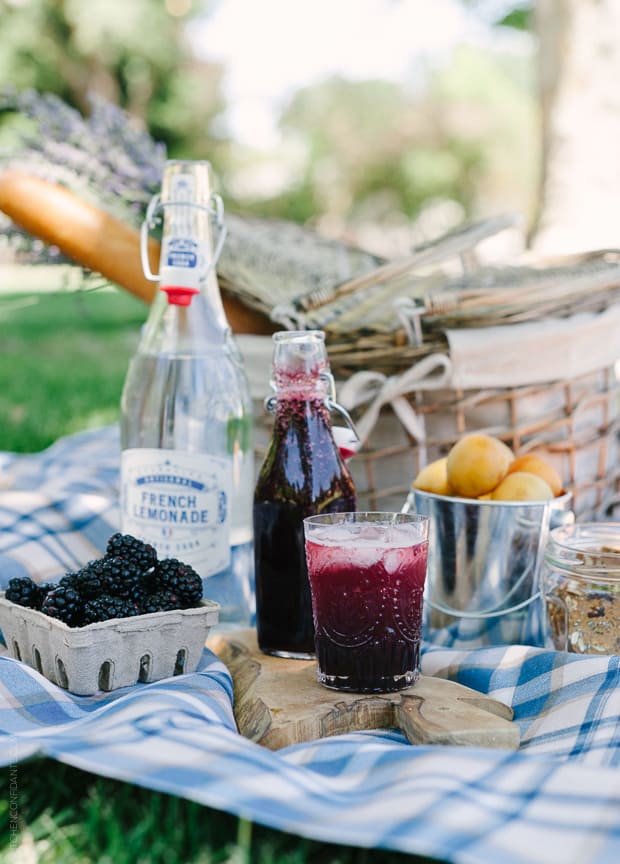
(574, 424)
(395, 315)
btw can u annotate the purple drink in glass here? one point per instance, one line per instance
(367, 574)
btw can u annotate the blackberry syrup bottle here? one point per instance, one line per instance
(187, 465)
(303, 474)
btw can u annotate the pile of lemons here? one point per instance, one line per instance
(483, 467)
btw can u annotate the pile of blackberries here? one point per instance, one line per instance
(127, 581)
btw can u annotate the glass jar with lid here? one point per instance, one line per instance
(581, 588)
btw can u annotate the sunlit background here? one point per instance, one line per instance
(382, 121)
(374, 113)
(386, 120)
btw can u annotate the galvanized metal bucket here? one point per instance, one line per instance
(484, 564)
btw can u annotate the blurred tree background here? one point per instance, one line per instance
(133, 54)
(369, 158)
(483, 129)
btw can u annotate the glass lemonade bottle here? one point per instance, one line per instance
(187, 471)
(303, 474)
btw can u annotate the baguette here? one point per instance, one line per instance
(93, 238)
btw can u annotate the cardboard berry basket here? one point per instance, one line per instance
(108, 654)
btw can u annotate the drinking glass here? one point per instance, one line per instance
(367, 574)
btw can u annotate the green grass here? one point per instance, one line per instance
(63, 358)
(73, 817)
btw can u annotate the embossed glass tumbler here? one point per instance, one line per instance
(367, 574)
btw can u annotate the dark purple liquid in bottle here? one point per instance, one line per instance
(303, 474)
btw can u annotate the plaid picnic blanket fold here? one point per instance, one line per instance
(557, 799)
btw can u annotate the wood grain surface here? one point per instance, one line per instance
(279, 702)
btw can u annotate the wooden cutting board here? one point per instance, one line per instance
(279, 702)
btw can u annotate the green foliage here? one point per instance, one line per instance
(488, 116)
(132, 54)
(376, 147)
(517, 14)
(520, 18)
(369, 150)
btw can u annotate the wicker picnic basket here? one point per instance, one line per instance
(401, 334)
(573, 422)
(427, 349)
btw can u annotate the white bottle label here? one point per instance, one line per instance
(180, 503)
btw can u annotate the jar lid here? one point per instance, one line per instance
(588, 549)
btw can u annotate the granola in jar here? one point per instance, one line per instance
(581, 588)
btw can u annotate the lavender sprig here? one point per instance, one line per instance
(104, 157)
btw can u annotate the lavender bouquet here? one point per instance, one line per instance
(104, 158)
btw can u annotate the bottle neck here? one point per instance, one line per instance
(304, 415)
(286, 400)
(189, 330)
(301, 387)
(300, 380)
(188, 311)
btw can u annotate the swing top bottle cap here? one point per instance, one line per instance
(179, 295)
(185, 193)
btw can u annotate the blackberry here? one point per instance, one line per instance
(44, 590)
(143, 555)
(89, 582)
(122, 578)
(65, 604)
(105, 607)
(180, 579)
(23, 591)
(162, 601)
(66, 581)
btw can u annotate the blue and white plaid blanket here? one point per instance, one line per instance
(555, 800)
